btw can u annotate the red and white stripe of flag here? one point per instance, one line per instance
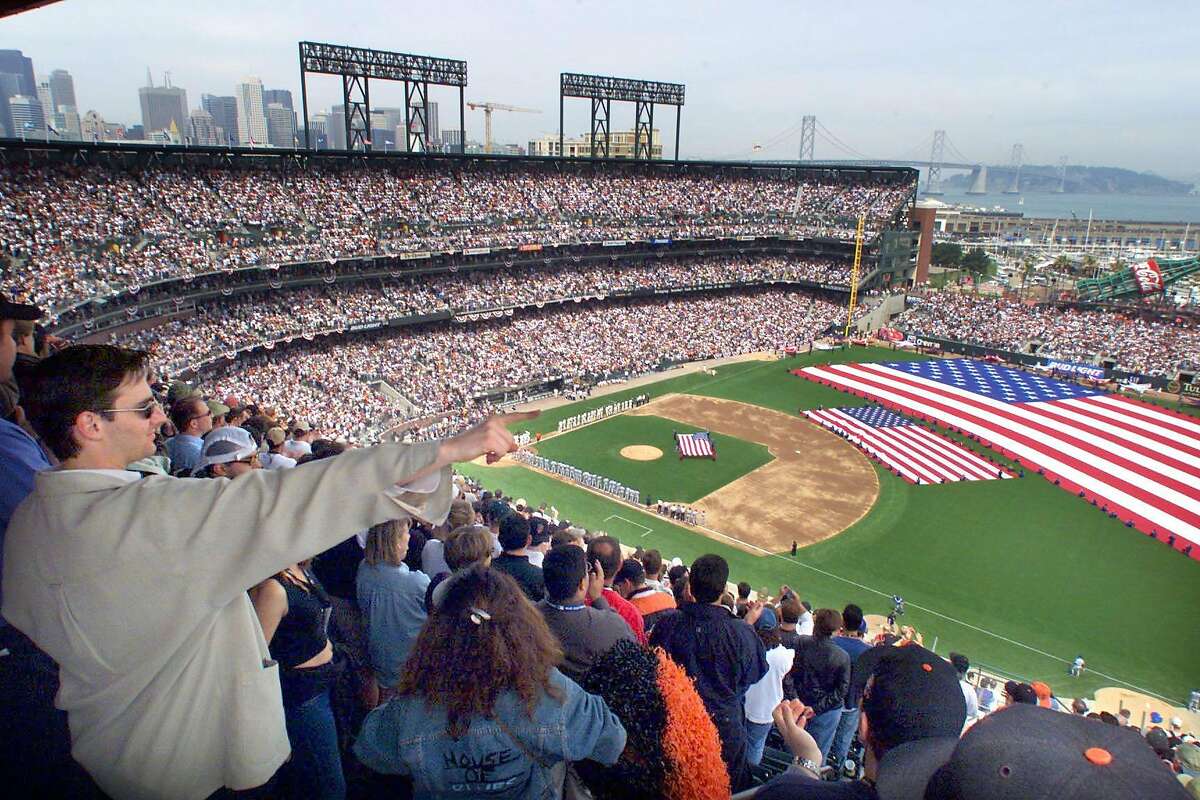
(919, 456)
(694, 446)
(1140, 461)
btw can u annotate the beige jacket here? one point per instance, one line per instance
(138, 590)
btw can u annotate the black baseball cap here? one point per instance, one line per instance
(1027, 752)
(913, 694)
(23, 311)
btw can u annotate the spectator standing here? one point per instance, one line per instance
(721, 653)
(607, 550)
(514, 560)
(503, 721)
(630, 582)
(192, 419)
(962, 665)
(274, 457)
(294, 612)
(179, 697)
(764, 696)
(584, 632)
(789, 615)
(465, 547)
(652, 562)
(911, 716)
(821, 675)
(392, 599)
(850, 640)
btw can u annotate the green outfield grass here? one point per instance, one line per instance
(596, 448)
(1017, 574)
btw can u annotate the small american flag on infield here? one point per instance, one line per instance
(917, 454)
(695, 445)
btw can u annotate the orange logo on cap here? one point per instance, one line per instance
(927, 667)
(1098, 756)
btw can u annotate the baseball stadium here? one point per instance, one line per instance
(735, 362)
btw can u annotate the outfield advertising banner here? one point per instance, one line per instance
(1070, 368)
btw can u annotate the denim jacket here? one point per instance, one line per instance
(406, 737)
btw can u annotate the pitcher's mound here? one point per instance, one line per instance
(641, 452)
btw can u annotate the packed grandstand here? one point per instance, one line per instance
(412, 299)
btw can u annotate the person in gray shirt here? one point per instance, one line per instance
(585, 631)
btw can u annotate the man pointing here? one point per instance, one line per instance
(137, 586)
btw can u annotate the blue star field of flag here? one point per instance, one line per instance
(992, 380)
(876, 416)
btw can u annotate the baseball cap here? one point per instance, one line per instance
(180, 390)
(217, 408)
(24, 311)
(1031, 753)
(225, 445)
(913, 694)
(276, 436)
(767, 621)
(301, 426)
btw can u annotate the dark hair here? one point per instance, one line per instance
(768, 636)
(708, 577)
(960, 663)
(790, 611)
(826, 622)
(323, 448)
(653, 562)
(564, 536)
(562, 569)
(606, 550)
(743, 591)
(183, 411)
(676, 572)
(514, 532)
(852, 617)
(506, 648)
(76, 379)
(631, 570)
(466, 545)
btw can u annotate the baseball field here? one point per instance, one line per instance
(1017, 574)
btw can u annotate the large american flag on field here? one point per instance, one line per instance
(917, 454)
(1140, 461)
(695, 445)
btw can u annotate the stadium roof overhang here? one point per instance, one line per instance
(10, 7)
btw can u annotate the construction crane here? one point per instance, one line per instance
(488, 108)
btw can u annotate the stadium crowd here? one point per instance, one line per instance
(71, 232)
(230, 323)
(1136, 345)
(446, 370)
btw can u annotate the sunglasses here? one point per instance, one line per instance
(147, 410)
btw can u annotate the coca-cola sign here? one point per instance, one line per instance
(1148, 276)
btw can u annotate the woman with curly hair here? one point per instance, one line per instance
(480, 709)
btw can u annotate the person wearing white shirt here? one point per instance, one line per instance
(961, 665)
(762, 697)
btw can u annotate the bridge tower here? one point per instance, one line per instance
(1062, 175)
(933, 179)
(978, 180)
(1018, 155)
(808, 135)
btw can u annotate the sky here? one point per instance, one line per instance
(1103, 83)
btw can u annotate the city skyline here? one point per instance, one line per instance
(1091, 90)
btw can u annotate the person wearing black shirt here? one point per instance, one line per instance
(721, 653)
(514, 538)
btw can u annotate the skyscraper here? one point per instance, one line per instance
(224, 110)
(203, 131)
(62, 89)
(27, 117)
(282, 97)
(318, 131)
(281, 125)
(162, 105)
(16, 63)
(67, 123)
(252, 116)
(43, 95)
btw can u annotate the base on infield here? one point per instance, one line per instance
(817, 486)
(641, 452)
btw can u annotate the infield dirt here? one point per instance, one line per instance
(817, 486)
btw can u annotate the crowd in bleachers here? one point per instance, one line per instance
(230, 323)
(445, 370)
(69, 232)
(297, 623)
(1137, 345)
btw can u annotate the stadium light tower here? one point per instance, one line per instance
(602, 90)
